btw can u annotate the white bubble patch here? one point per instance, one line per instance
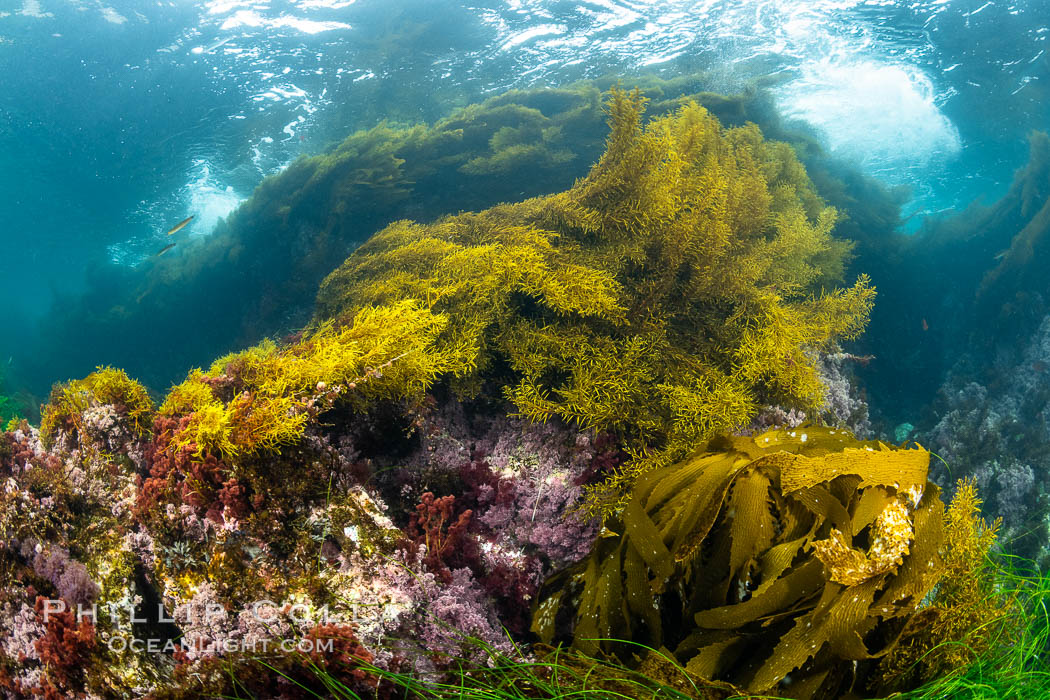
(209, 199)
(880, 115)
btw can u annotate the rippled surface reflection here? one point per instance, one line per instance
(123, 116)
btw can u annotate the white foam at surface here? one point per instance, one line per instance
(544, 30)
(112, 16)
(251, 18)
(33, 8)
(325, 4)
(209, 200)
(218, 7)
(881, 115)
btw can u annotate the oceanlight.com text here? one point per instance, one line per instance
(121, 643)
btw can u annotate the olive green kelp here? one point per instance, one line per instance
(691, 277)
(774, 563)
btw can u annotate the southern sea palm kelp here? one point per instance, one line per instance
(970, 612)
(786, 563)
(687, 278)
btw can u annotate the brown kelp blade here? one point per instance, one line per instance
(788, 555)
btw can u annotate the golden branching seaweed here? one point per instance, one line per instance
(261, 399)
(685, 280)
(105, 386)
(782, 558)
(968, 610)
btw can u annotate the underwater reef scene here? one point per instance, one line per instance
(599, 442)
(267, 259)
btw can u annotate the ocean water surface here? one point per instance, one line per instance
(119, 117)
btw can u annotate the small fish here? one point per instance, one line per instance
(1000, 255)
(179, 226)
(164, 250)
(925, 326)
(1039, 366)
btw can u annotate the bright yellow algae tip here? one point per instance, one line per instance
(105, 386)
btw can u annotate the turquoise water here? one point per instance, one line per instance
(120, 119)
